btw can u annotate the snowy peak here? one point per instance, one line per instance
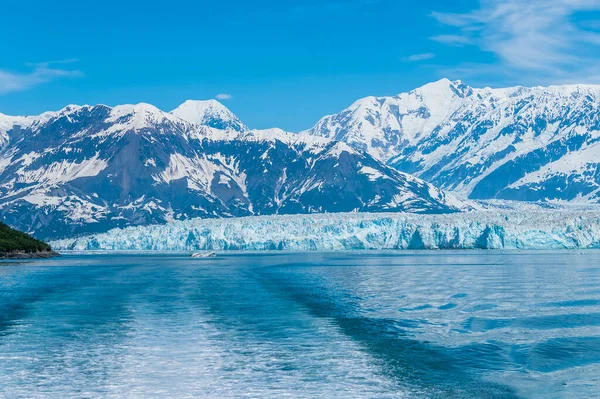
(119, 118)
(139, 116)
(444, 87)
(209, 113)
(104, 120)
(516, 143)
(383, 126)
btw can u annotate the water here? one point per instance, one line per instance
(337, 325)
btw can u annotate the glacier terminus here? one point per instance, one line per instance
(482, 229)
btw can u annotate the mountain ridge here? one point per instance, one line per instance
(511, 143)
(87, 169)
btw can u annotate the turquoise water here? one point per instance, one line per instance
(316, 325)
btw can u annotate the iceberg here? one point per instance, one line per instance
(530, 228)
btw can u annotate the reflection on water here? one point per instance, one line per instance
(338, 325)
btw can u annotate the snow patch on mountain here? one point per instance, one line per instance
(58, 172)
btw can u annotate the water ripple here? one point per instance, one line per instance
(369, 325)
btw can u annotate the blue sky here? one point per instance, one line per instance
(283, 63)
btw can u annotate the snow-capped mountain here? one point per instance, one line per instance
(87, 169)
(384, 125)
(517, 143)
(209, 113)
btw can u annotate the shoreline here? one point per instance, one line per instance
(28, 255)
(275, 252)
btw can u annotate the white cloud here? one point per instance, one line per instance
(45, 72)
(540, 39)
(224, 96)
(418, 57)
(456, 40)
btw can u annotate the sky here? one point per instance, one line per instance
(283, 63)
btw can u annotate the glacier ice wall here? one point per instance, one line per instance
(485, 229)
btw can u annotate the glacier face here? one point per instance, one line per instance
(519, 143)
(87, 169)
(531, 228)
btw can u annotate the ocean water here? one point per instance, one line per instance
(428, 324)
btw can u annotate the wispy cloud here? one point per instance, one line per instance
(418, 57)
(224, 96)
(542, 38)
(11, 81)
(456, 40)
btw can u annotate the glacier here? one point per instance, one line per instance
(531, 228)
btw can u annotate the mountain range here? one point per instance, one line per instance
(518, 143)
(87, 169)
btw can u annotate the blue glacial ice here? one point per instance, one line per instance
(485, 229)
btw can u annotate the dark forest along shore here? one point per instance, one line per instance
(15, 244)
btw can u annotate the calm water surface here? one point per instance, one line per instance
(337, 325)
